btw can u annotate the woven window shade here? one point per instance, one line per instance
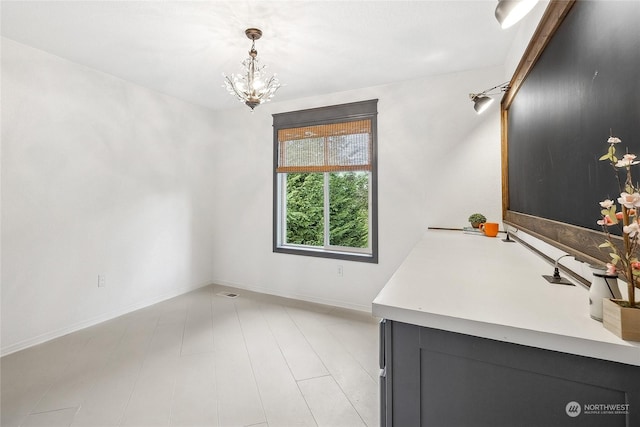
(332, 147)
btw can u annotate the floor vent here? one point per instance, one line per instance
(227, 294)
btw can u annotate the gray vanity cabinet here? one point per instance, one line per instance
(431, 377)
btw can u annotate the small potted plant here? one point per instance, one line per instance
(476, 219)
(621, 316)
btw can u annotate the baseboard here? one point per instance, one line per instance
(297, 296)
(40, 339)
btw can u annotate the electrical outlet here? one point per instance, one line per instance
(102, 280)
(340, 271)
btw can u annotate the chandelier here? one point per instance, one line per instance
(251, 86)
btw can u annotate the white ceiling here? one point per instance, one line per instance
(181, 48)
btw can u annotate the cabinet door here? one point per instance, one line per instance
(383, 397)
(442, 378)
(404, 354)
(386, 392)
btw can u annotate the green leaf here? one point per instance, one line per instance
(605, 245)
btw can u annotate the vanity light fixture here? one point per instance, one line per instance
(508, 12)
(482, 101)
(252, 86)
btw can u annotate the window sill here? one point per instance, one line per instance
(324, 253)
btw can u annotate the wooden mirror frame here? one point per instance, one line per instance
(580, 242)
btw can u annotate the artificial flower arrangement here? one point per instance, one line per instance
(624, 260)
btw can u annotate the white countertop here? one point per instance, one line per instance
(484, 287)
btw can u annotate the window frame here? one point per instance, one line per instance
(322, 116)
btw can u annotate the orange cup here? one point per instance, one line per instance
(490, 228)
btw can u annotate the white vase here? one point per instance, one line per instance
(603, 286)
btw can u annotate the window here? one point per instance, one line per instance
(325, 182)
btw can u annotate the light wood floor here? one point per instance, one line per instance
(202, 359)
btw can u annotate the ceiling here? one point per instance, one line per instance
(182, 48)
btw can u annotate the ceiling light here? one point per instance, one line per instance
(482, 101)
(508, 12)
(251, 86)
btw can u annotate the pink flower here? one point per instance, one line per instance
(632, 229)
(630, 212)
(629, 200)
(611, 269)
(635, 265)
(627, 160)
(614, 140)
(605, 221)
(606, 204)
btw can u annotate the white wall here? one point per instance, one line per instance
(521, 34)
(438, 162)
(99, 176)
